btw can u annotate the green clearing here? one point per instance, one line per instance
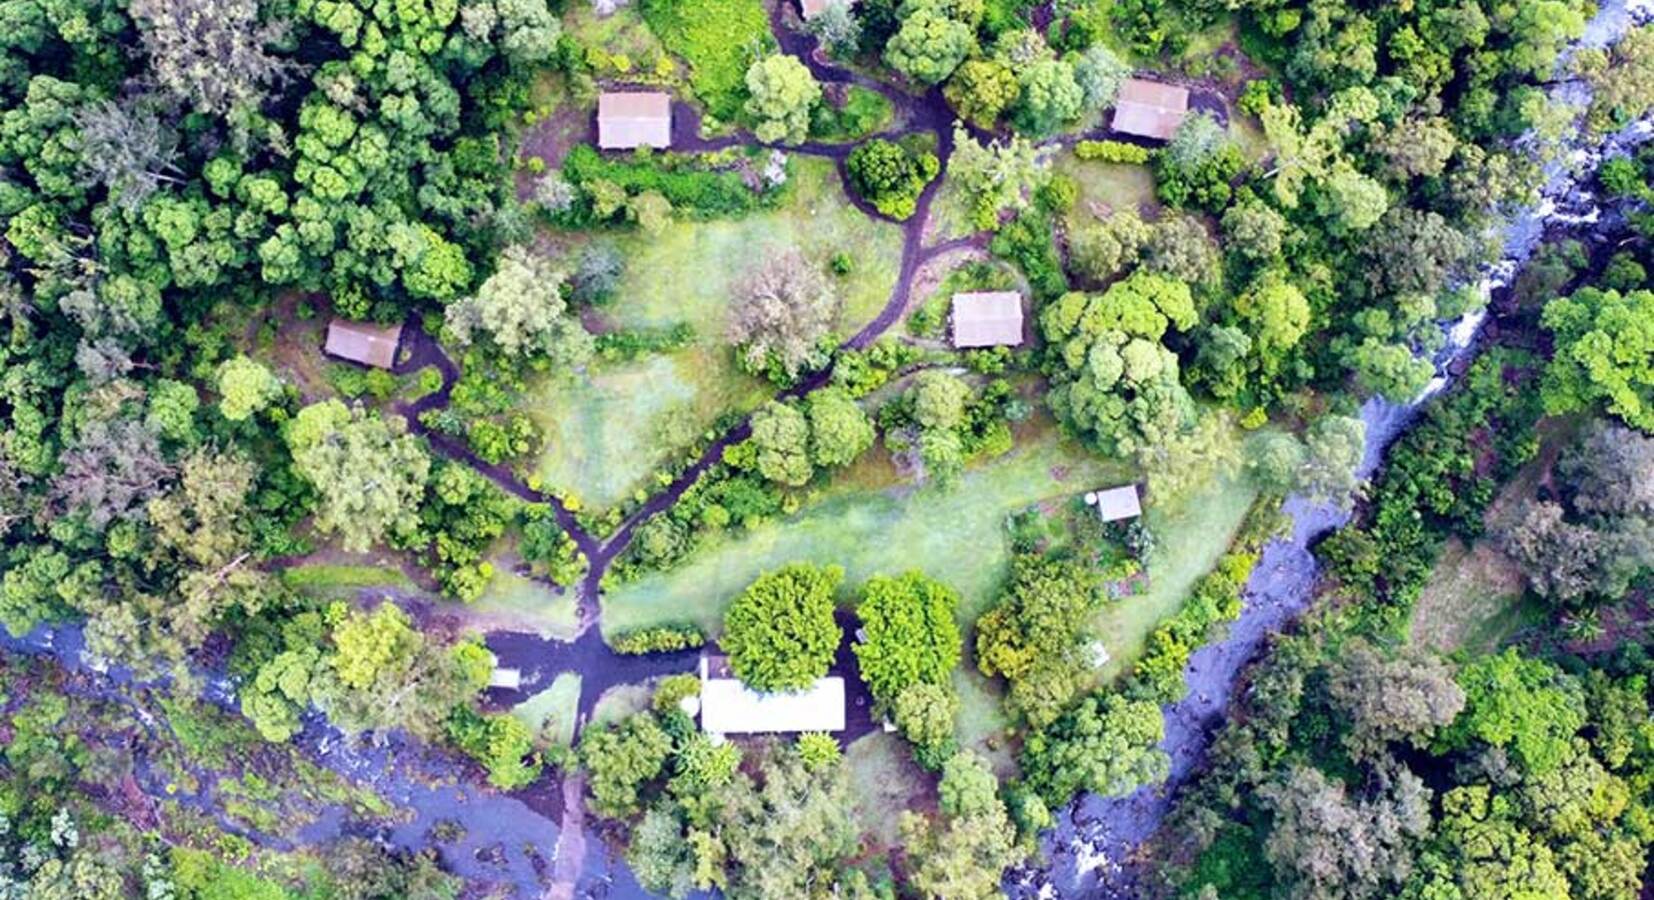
(607, 431)
(717, 38)
(328, 579)
(623, 45)
(982, 724)
(1473, 601)
(957, 536)
(886, 779)
(619, 702)
(1106, 188)
(1190, 541)
(513, 601)
(551, 712)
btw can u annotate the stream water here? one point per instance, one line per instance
(1089, 853)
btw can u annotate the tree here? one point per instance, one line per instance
(245, 388)
(780, 633)
(1105, 744)
(1604, 355)
(211, 53)
(1032, 635)
(368, 472)
(782, 437)
(1408, 697)
(381, 673)
(929, 45)
(1181, 248)
(1336, 447)
(792, 835)
(1389, 370)
(839, 430)
(621, 760)
(938, 399)
(521, 309)
(1254, 230)
(1322, 843)
(890, 176)
(924, 713)
(910, 636)
(981, 90)
(783, 310)
(781, 92)
(125, 148)
(999, 177)
(1275, 460)
(837, 28)
(1100, 74)
(1525, 704)
(1049, 97)
(1350, 201)
(111, 470)
(1101, 250)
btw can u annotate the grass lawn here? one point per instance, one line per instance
(957, 536)
(512, 601)
(619, 702)
(1106, 188)
(1473, 601)
(328, 580)
(717, 38)
(981, 723)
(1190, 541)
(886, 779)
(608, 430)
(551, 712)
(624, 42)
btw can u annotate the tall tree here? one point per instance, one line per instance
(367, 471)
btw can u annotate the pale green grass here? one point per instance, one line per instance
(1191, 538)
(619, 702)
(688, 272)
(329, 580)
(982, 724)
(1473, 601)
(510, 600)
(886, 780)
(551, 712)
(606, 431)
(957, 536)
(1106, 188)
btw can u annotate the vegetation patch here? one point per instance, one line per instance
(718, 38)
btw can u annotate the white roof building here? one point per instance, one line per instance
(629, 120)
(730, 707)
(1117, 503)
(813, 8)
(1150, 109)
(987, 319)
(506, 679)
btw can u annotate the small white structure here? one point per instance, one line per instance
(506, 679)
(987, 319)
(634, 119)
(1116, 504)
(813, 8)
(730, 707)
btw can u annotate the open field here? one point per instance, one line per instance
(886, 780)
(982, 723)
(551, 712)
(1106, 188)
(1472, 602)
(956, 536)
(517, 603)
(607, 430)
(331, 580)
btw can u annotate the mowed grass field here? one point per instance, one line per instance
(957, 536)
(551, 712)
(513, 602)
(606, 430)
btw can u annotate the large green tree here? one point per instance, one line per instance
(779, 633)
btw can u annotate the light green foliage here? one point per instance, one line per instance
(1524, 704)
(981, 89)
(1117, 384)
(930, 44)
(924, 713)
(1106, 745)
(1276, 315)
(779, 633)
(1350, 201)
(911, 636)
(368, 473)
(938, 399)
(1604, 354)
(718, 39)
(839, 430)
(820, 752)
(1101, 250)
(502, 743)
(245, 388)
(781, 92)
(1049, 97)
(1100, 74)
(1033, 636)
(999, 177)
(781, 436)
(621, 760)
(521, 311)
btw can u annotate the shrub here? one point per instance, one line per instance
(657, 639)
(891, 176)
(1113, 152)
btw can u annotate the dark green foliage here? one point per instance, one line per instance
(890, 176)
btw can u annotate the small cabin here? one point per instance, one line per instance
(628, 120)
(987, 319)
(363, 343)
(730, 707)
(1149, 109)
(506, 679)
(1116, 504)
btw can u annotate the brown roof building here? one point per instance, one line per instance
(987, 319)
(629, 120)
(360, 342)
(1150, 109)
